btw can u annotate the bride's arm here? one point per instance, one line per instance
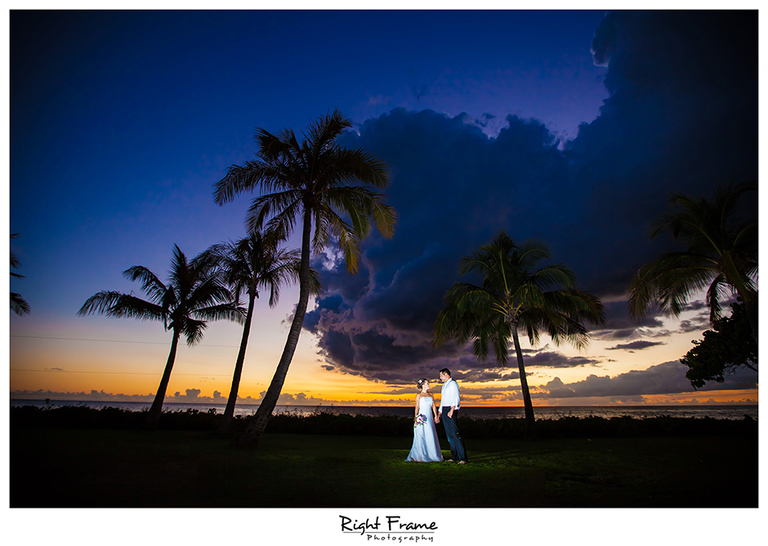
(416, 410)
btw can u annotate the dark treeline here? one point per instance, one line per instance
(361, 425)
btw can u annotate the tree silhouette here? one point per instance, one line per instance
(721, 256)
(194, 294)
(729, 345)
(254, 263)
(18, 304)
(513, 296)
(308, 181)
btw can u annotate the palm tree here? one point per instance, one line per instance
(18, 304)
(721, 256)
(253, 263)
(514, 297)
(308, 181)
(194, 294)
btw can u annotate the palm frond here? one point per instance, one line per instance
(257, 262)
(474, 262)
(531, 252)
(279, 210)
(239, 178)
(362, 205)
(18, 304)
(116, 304)
(532, 330)
(529, 295)
(284, 267)
(354, 202)
(501, 334)
(207, 291)
(554, 275)
(322, 132)
(576, 303)
(360, 166)
(348, 241)
(275, 148)
(192, 329)
(669, 281)
(467, 307)
(726, 199)
(15, 263)
(149, 282)
(132, 307)
(182, 274)
(384, 217)
(223, 311)
(745, 240)
(480, 346)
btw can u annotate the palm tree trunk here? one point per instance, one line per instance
(258, 423)
(153, 417)
(530, 421)
(229, 412)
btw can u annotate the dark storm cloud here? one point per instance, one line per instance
(485, 376)
(696, 324)
(635, 345)
(552, 359)
(666, 378)
(619, 325)
(682, 116)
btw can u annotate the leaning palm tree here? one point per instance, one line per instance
(513, 296)
(255, 262)
(721, 257)
(18, 304)
(194, 294)
(308, 181)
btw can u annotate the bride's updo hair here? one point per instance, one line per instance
(420, 383)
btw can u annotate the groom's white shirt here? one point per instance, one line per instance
(449, 395)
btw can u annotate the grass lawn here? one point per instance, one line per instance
(69, 467)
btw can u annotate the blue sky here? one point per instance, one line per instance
(128, 135)
(121, 122)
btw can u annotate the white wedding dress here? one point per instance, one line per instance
(426, 446)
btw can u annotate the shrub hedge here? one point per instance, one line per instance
(321, 422)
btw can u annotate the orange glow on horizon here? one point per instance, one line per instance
(93, 362)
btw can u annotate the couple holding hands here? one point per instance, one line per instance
(426, 446)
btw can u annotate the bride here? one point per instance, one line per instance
(426, 446)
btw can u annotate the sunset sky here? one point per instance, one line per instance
(572, 127)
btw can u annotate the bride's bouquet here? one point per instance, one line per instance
(420, 420)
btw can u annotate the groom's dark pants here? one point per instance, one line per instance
(454, 438)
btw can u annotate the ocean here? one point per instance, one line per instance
(732, 412)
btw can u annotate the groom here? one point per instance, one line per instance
(449, 401)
